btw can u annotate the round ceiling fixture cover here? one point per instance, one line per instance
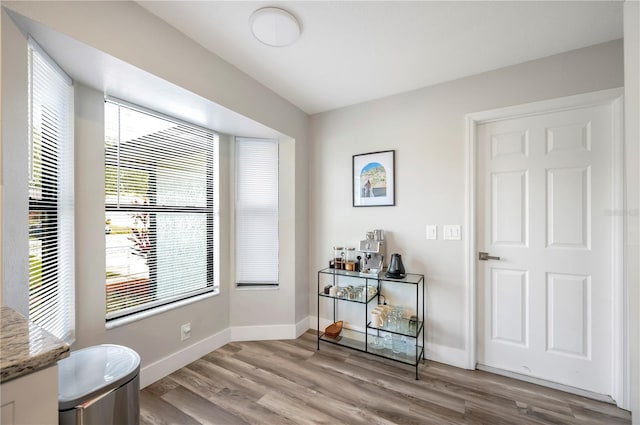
(274, 26)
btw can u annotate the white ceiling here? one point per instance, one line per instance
(119, 79)
(351, 52)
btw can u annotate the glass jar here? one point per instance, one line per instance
(371, 291)
(398, 344)
(350, 260)
(376, 342)
(413, 325)
(392, 321)
(338, 256)
(402, 324)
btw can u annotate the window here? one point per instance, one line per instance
(256, 212)
(161, 217)
(51, 237)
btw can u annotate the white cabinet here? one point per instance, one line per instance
(31, 399)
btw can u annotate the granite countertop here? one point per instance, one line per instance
(25, 347)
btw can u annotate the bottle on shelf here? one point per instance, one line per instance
(338, 257)
(350, 261)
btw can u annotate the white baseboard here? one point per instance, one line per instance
(313, 322)
(447, 355)
(548, 384)
(163, 367)
(302, 326)
(267, 332)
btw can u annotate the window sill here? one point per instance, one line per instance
(158, 310)
(258, 288)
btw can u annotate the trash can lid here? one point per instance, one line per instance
(92, 371)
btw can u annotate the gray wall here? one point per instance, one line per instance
(426, 128)
(129, 33)
(15, 267)
(156, 334)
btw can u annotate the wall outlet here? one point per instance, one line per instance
(185, 331)
(432, 231)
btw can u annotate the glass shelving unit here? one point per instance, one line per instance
(368, 339)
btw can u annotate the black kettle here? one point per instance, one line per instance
(396, 269)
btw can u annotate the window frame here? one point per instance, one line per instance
(210, 211)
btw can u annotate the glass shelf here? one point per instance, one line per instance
(406, 326)
(356, 340)
(410, 278)
(410, 359)
(347, 338)
(339, 272)
(322, 294)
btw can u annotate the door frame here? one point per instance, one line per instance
(614, 98)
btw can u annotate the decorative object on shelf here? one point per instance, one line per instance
(371, 291)
(334, 329)
(350, 263)
(374, 179)
(374, 250)
(338, 258)
(377, 317)
(413, 324)
(376, 342)
(396, 268)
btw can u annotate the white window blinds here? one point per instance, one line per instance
(256, 212)
(161, 216)
(51, 221)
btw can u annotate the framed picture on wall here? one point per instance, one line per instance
(374, 179)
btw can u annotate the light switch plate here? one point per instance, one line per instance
(432, 232)
(452, 232)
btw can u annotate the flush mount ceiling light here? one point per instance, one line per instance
(274, 26)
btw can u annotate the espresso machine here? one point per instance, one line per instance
(374, 251)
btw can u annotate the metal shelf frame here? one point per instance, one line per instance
(359, 340)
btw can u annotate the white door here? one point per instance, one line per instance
(544, 206)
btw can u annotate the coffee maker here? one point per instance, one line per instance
(374, 251)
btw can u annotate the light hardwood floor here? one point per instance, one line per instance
(290, 382)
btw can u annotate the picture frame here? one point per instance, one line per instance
(373, 176)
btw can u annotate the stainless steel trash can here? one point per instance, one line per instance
(99, 385)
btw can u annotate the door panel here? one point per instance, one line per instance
(568, 207)
(543, 192)
(508, 208)
(515, 143)
(509, 306)
(575, 137)
(569, 314)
